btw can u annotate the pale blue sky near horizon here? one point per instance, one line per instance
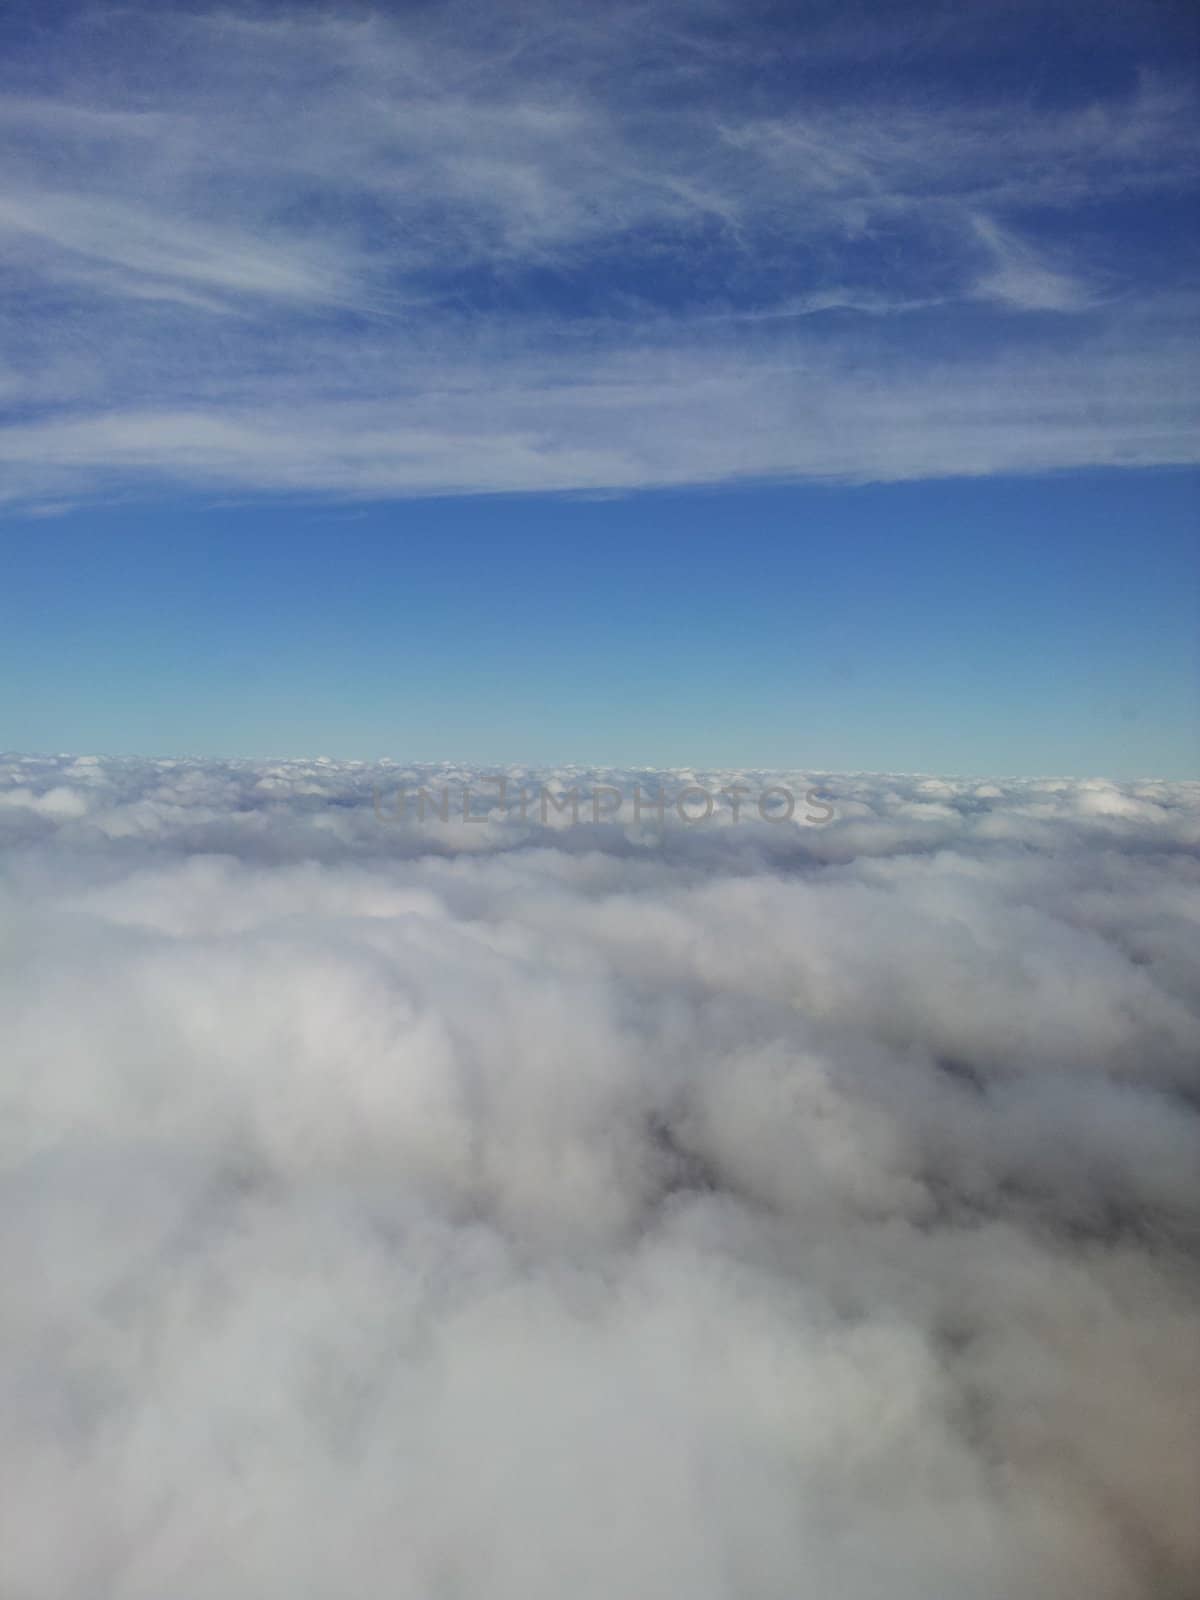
(660, 383)
(1018, 626)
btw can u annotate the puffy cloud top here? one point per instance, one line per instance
(519, 1208)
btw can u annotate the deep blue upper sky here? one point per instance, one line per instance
(716, 383)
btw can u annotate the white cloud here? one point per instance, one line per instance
(655, 415)
(507, 1210)
(155, 250)
(359, 230)
(1018, 277)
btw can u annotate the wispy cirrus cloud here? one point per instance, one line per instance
(353, 230)
(142, 255)
(405, 420)
(1020, 278)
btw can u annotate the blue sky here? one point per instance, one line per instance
(656, 383)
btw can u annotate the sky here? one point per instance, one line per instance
(638, 383)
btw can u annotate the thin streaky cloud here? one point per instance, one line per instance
(213, 214)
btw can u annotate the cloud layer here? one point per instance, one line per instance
(500, 1209)
(376, 254)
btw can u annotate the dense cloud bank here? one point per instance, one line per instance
(507, 1210)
